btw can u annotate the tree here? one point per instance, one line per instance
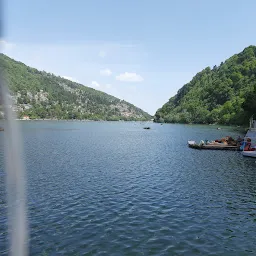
(249, 104)
(52, 96)
(224, 94)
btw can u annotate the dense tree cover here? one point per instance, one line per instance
(225, 94)
(39, 94)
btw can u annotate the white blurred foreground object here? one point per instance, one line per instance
(15, 177)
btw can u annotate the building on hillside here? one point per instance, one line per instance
(25, 117)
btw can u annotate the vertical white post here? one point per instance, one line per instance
(15, 171)
(15, 180)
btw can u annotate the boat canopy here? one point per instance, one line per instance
(251, 134)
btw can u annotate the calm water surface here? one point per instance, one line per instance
(98, 188)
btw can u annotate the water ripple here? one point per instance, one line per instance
(116, 189)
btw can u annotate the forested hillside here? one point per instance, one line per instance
(225, 94)
(43, 95)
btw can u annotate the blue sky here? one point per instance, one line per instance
(142, 51)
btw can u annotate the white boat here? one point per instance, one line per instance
(249, 153)
(251, 134)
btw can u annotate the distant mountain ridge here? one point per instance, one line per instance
(42, 95)
(225, 94)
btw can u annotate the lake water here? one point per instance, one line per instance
(113, 188)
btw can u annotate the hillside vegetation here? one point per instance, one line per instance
(42, 95)
(225, 94)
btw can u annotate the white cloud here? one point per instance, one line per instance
(94, 84)
(102, 54)
(106, 72)
(6, 45)
(71, 79)
(129, 77)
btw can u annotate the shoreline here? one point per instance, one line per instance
(83, 120)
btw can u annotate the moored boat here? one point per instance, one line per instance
(249, 144)
(216, 146)
(249, 153)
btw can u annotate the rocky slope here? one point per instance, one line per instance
(43, 95)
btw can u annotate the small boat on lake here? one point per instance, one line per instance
(146, 128)
(215, 146)
(249, 153)
(249, 143)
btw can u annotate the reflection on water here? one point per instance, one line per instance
(116, 189)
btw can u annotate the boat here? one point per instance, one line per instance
(146, 128)
(217, 146)
(1, 129)
(250, 137)
(249, 153)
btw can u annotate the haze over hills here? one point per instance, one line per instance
(225, 94)
(42, 95)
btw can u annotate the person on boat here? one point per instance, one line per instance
(248, 145)
(239, 140)
(224, 141)
(242, 146)
(231, 141)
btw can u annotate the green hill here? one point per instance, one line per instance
(39, 94)
(225, 94)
